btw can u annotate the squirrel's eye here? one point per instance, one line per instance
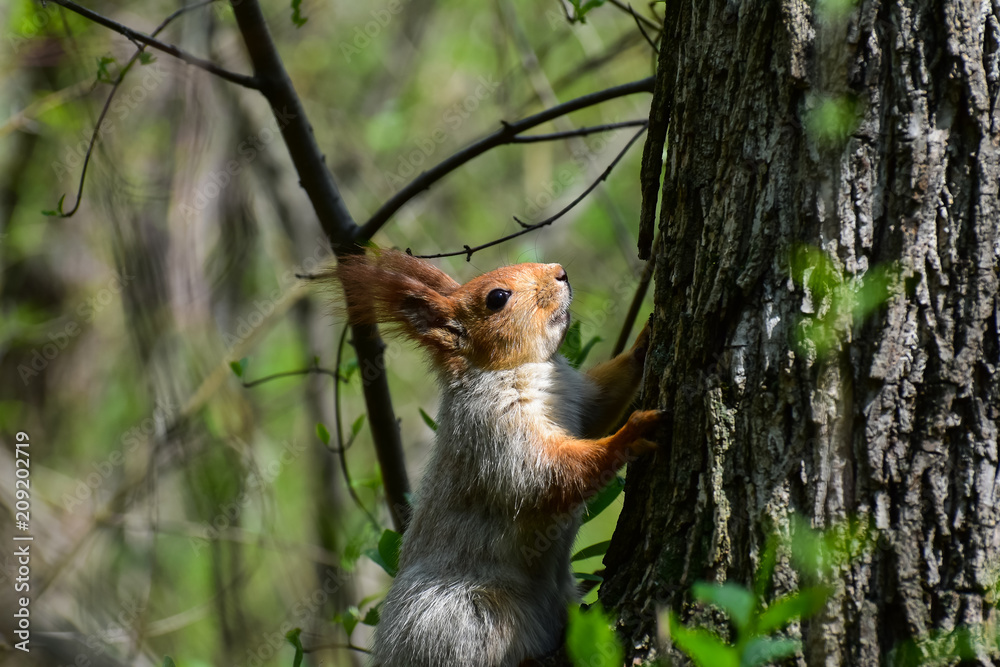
(497, 299)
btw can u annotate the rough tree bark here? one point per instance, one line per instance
(897, 424)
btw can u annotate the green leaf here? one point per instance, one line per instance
(800, 604)
(428, 420)
(591, 640)
(582, 357)
(103, 74)
(371, 616)
(59, 209)
(705, 648)
(875, 290)
(168, 661)
(322, 433)
(585, 576)
(598, 549)
(349, 619)
(356, 426)
(809, 554)
(831, 120)
(387, 554)
(348, 369)
(765, 568)
(297, 17)
(239, 367)
(146, 58)
(764, 650)
(603, 498)
(293, 638)
(571, 344)
(736, 601)
(581, 9)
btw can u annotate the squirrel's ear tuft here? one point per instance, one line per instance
(392, 287)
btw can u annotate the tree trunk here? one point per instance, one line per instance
(869, 134)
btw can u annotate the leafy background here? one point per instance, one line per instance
(175, 510)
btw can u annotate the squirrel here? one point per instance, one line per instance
(518, 451)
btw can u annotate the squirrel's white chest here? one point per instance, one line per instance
(539, 397)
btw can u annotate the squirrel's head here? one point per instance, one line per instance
(503, 319)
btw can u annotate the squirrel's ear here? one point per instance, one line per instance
(394, 288)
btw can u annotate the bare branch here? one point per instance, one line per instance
(505, 135)
(135, 36)
(341, 445)
(638, 17)
(107, 103)
(312, 370)
(633, 308)
(638, 24)
(525, 227)
(580, 132)
(342, 232)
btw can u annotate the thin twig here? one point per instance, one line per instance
(580, 132)
(633, 309)
(505, 135)
(348, 645)
(305, 371)
(628, 8)
(107, 103)
(341, 446)
(526, 228)
(135, 36)
(342, 232)
(638, 24)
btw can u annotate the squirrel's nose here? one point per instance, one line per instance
(561, 275)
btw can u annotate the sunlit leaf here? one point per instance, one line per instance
(591, 639)
(764, 650)
(831, 120)
(386, 555)
(322, 433)
(704, 647)
(736, 601)
(598, 549)
(800, 604)
(356, 426)
(765, 568)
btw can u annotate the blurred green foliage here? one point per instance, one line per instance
(758, 623)
(836, 302)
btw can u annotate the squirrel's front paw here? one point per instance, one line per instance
(645, 422)
(642, 446)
